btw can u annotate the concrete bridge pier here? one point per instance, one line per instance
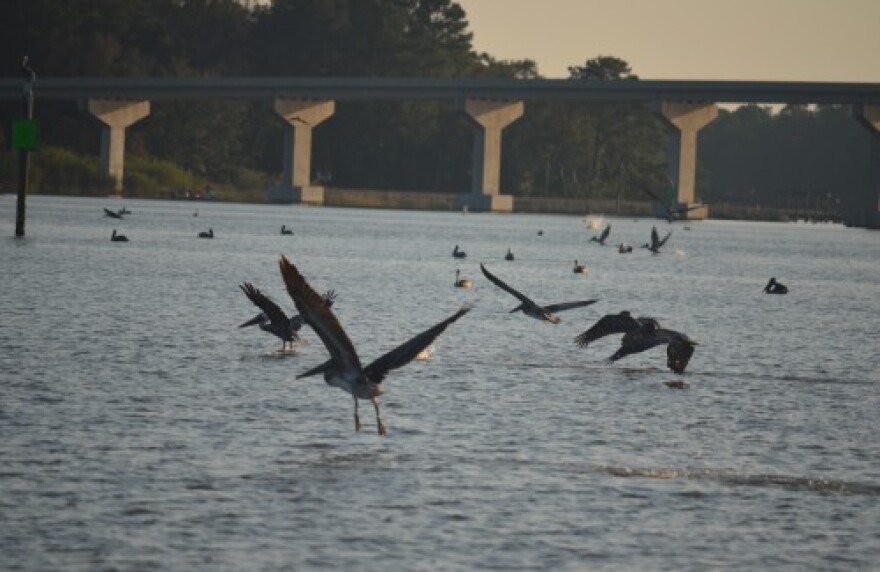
(684, 119)
(489, 118)
(869, 116)
(117, 115)
(301, 116)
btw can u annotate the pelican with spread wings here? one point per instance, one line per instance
(344, 369)
(529, 307)
(640, 334)
(272, 319)
(655, 244)
(671, 210)
(602, 237)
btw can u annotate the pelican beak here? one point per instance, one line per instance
(252, 321)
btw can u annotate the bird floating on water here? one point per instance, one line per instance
(272, 319)
(602, 237)
(344, 369)
(774, 287)
(209, 234)
(285, 230)
(509, 255)
(541, 232)
(457, 253)
(530, 308)
(640, 334)
(462, 282)
(118, 237)
(624, 248)
(655, 244)
(580, 268)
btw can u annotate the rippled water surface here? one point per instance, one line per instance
(141, 429)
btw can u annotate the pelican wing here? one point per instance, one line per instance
(275, 314)
(297, 321)
(606, 326)
(317, 314)
(636, 342)
(605, 234)
(498, 282)
(408, 350)
(552, 308)
(678, 353)
(655, 238)
(665, 238)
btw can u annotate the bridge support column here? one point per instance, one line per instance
(489, 117)
(684, 120)
(117, 115)
(296, 182)
(869, 116)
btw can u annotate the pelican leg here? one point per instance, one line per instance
(357, 420)
(378, 419)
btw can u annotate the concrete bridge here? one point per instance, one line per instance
(303, 103)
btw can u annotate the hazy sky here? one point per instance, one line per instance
(797, 40)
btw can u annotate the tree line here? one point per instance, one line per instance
(592, 150)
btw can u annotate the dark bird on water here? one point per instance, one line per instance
(602, 237)
(457, 253)
(112, 214)
(624, 248)
(285, 230)
(640, 334)
(462, 282)
(774, 287)
(272, 319)
(655, 244)
(671, 210)
(509, 255)
(118, 237)
(530, 308)
(580, 268)
(344, 369)
(209, 234)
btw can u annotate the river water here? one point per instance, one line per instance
(141, 429)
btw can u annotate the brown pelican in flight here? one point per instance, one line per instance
(118, 237)
(655, 244)
(774, 287)
(272, 319)
(529, 308)
(344, 369)
(640, 334)
(671, 210)
(602, 237)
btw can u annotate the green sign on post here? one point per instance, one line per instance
(25, 135)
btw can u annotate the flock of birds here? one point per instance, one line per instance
(119, 214)
(343, 368)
